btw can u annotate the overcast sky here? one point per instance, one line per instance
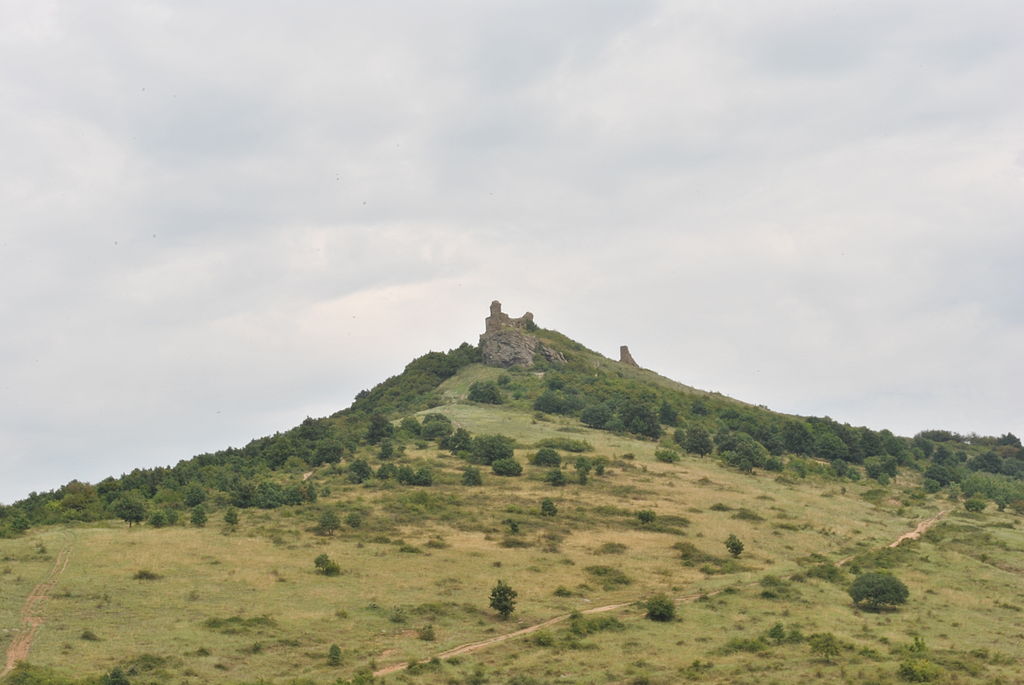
(219, 218)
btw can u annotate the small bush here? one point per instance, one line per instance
(608, 576)
(556, 478)
(546, 456)
(144, 574)
(334, 656)
(426, 633)
(471, 476)
(507, 467)
(661, 608)
(667, 456)
(646, 516)
(548, 507)
(611, 548)
(325, 566)
(918, 671)
(89, 636)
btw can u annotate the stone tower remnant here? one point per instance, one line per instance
(508, 342)
(625, 357)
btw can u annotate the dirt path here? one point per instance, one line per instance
(30, 618)
(306, 475)
(475, 646)
(920, 530)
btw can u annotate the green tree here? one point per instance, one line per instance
(486, 392)
(824, 645)
(436, 427)
(875, 590)
(329, 522)
(546, 456)
(231, 517)
(379, 428)
(130, 507)
(698, 441)
(667, 414)
(503, 599)
(334, 656)
(325, 566)
(471, 476)
(646, 516)
(548, 507)
(583, 467)
(487, 449)
(555, 477)
(199, 516)
(507, 467)
(194, 495)
(359, 471)
(733, 544)
(661, 608)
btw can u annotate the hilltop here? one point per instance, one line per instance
(366, 545)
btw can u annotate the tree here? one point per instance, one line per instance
(824, 645)
(507, 467)
(379, 428)
(875, 590)
(131, 508)
(487, 449)
(733, 544)
(471, 476)
(583, 467)
(547, 507)
(503, 599)
(667, 414)
(194, 495)
(329, 522)
(325, 566)
(646, 516)
(661, 608)
(359, 470)
(199, 516)
(596, 415)
(334, 656)
(231, 517)
(546, 456)
(486, 392)
(555, 477)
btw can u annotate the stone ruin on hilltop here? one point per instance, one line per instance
(508, 342)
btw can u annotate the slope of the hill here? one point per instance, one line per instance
(583, 485)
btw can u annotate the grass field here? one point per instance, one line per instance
(196, 605)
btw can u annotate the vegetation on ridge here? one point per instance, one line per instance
(601, 493)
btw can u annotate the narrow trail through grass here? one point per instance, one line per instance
(482, 644)
(31, 619)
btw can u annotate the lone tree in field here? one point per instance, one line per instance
(661, 608)
(733, 544)
(329, 522)
(876, 590)
(231, 518)
(199, 516)
(503, 599)
(824, 645)
(325, 566)
(131, 508)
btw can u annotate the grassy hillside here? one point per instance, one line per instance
(419, 551)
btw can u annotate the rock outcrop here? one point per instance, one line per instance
(625, 357)
(507, 342)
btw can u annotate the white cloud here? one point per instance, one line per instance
(218, 219)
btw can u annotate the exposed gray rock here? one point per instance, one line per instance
(507, 342)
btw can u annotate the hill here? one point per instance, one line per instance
(366, 546)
